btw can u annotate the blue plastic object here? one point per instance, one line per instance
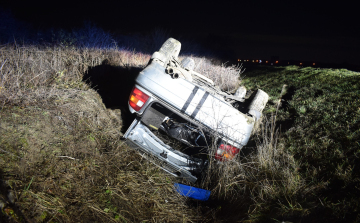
(192, 192)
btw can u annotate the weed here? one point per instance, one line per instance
(322, 137)
(61, 154)
(56, 129)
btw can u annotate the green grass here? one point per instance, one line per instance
(320, 125)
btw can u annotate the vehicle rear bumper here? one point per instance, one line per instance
(174, 162)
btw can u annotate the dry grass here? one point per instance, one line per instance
(62, 155)
(61, 151)
(27, 73)
(64, 167)
(31, 72)
(264, 182)
(226, 77)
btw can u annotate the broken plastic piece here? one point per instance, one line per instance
(192, 192)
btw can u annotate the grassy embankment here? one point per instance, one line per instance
(319, 121)
(305, 166)
(62, 159)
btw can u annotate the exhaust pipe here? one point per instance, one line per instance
(170, 71)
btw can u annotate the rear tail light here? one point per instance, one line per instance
(226, 152)
(137, 99)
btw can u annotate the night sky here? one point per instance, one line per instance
(294, 30)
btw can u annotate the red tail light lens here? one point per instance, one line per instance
(137, 99)
(226, 152)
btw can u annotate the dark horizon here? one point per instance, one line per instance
(292, 31)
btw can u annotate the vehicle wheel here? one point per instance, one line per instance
(171, 48)
(188, 63)
(258, 103)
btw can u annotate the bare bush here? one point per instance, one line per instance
(30, 73)
(267, 175)
(226, 77)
